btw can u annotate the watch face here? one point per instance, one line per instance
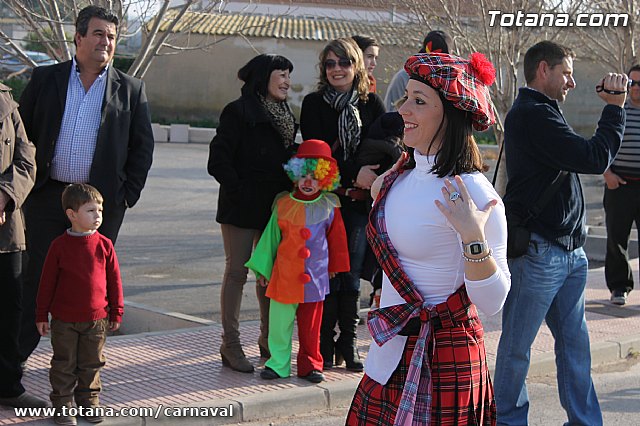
(476, 248)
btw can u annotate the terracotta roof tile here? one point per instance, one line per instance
(290, 27)
(369, 4)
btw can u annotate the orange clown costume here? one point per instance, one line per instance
(304, 241)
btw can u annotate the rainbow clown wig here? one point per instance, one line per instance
(314, 158)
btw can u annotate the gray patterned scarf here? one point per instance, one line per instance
(349, 123)
(282, 119)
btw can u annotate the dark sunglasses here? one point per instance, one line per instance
(634, 83)
(330, 64)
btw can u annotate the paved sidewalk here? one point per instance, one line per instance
(183, 368)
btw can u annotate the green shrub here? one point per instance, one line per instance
(485, 138)
(17, 85)
(36, 45)
(123, 63)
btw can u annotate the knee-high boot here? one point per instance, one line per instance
(346, 345)
(231, 351)
(263, 340)
(327, 332)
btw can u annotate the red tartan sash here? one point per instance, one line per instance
(385, 323)
(394, 317)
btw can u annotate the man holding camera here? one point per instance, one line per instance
(548, 281)
(622, 198)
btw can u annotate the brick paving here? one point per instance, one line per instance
(184, 367)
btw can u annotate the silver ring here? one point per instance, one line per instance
(454, 196)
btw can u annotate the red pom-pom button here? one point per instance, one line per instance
(305, 233)
(304, 253)
(304, 278)
(484, 69)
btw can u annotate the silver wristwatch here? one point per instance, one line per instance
(475, 248)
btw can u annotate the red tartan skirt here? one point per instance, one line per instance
(462, 390)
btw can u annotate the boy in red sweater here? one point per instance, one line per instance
(80, 286)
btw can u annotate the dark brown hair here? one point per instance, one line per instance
(635, 67)
(348, 49)
(364, 42)
(459, 152)
(76, 195)
(256, 73)
(85, 15)
(439, 41)
(548, 51)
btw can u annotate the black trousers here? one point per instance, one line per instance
(622, 209)
(10, 313)
(45, 221)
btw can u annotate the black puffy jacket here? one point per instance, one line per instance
(246, 157)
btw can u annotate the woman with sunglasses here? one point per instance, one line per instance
(340, 112)
(439, 231)
(254, 139)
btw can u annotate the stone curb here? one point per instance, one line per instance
(601, 353)
(264, 406)
(330, 395)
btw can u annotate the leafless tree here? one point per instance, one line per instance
(609, 37)
(476, 26)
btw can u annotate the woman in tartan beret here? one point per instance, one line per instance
(439, 232)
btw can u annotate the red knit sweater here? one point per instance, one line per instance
(80, 280)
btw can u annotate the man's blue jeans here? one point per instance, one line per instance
(547, 283)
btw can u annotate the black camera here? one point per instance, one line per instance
(630, 83)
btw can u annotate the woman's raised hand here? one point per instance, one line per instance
(462, 212)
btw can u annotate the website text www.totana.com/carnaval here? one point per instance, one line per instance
(524, 19)
(150, 412)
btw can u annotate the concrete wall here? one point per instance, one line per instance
(583, 106)
(196, 85)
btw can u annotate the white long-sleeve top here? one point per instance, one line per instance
(430, 251)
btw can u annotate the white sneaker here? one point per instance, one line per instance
(619, 297)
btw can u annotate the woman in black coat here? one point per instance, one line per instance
(254, 139)
(340, 113)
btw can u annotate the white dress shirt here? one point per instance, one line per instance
(76, 144)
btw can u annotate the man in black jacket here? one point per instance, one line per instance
(622, 198)
(548, 282)
(90, 123)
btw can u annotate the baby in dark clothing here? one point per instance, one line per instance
(383, 143)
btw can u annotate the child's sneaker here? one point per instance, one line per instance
(314, 377)
(269, 374)
(93, 413)
(62, 416)
(61, 419)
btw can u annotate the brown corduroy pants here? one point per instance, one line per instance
(77, 360)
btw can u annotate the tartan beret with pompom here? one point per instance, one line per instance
(463, 82)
